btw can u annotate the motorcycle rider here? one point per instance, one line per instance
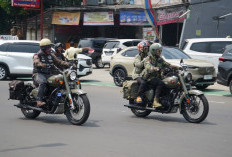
(152, 72)
(143, 48)
(43, 62)
(70, 52)
(59, 51)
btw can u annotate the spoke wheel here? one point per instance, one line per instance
(197, 110)
(119, 77)
(81, 112)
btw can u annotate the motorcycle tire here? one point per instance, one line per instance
(82, 105)
(190, 111)
(30, 114)
(140, 113)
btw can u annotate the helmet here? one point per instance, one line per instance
(153, 49)
(143, 46)
(45, 45)
(45, 42)
(58, 45)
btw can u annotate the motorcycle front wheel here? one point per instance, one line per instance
(197, 110)
(80, 114)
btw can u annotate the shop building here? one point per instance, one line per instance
(110, 19)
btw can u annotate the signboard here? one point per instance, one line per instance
(133, 18)
(148, 33)
(98, 18)
(8, 37)
(26, 3)
(171, 15)
(66, 18)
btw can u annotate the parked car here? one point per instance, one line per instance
(209, 49)
(224, 75)
(112, 47)
(203, 72)
(16, 59)
(96, 45)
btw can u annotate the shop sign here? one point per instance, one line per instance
(98, 18)
(171, 15)
(133, 18)
(26, 3)
(66, 18)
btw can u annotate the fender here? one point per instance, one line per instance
(78, 91)
(195, 92)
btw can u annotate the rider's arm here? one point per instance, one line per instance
(58, 61)
(138, 63)
(37, 62)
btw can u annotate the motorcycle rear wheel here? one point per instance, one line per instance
(30, 114)
(198, 104)
(140, 113)
(80, 114)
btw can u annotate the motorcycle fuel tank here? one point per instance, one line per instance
(55, 80)
(171, 82)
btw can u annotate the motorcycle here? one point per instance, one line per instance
(177, 94)
(63, 95)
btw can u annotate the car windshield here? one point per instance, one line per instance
(99, 43)
(111, 44)
(228, 50)
(174, 53)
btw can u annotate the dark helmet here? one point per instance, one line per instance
(58, 45)
(143, 46)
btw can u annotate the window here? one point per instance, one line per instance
(228, 50)
(99, 43)
(25, 48)
(135, 43)
(128, 43)
(3, 47)
(173, 53)
(84, 43)
(200, 47)
(218, 47)
(110, 45)
(130, 53)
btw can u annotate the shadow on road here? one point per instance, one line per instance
(32, 147)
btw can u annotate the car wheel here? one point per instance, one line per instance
(99, 63)
(3, 72)
(202, 87)
(119, 77)
(230, 86)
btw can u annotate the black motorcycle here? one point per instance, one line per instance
(177, 94)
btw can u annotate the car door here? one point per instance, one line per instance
(21, 57)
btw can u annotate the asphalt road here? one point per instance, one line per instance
(112, 130)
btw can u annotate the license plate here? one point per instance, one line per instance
(208, 77)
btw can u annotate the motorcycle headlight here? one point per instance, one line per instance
(73, 76)
(188, 77)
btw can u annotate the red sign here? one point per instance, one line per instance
(26, 3)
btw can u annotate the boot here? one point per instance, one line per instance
(138, 100)
(40, 103)
(156, 103)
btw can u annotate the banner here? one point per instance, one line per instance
(98, 18)
(148, 33)
(66, 18)
(170, 15)
(26, 3)
(133, 18)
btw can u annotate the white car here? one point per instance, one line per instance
(16, 59)
(209, 49)
(112, 47)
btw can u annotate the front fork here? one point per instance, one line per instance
(72, 107)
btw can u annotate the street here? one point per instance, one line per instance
(112, 129)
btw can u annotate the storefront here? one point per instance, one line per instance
(67, 25)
